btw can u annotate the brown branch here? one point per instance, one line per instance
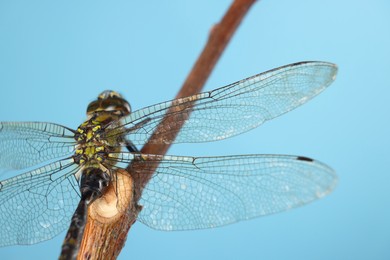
(105, 233)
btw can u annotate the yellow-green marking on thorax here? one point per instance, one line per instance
(92, 148)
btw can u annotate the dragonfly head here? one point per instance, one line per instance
(111, 102)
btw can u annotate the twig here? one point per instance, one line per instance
(105, 235)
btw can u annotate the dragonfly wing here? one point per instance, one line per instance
(193, 193)
(37, 205)
(24, 144)
(232, 109)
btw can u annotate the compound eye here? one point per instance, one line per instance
(92, 107)
(109, 94)
(109, 101)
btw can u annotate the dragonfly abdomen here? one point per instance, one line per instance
(93, 184)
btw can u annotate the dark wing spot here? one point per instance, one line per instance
(303, 158)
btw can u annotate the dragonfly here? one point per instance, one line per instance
(54, 168)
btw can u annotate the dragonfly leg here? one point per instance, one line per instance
(131, 147)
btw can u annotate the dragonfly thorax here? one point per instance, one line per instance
(90, 153)
(92, 147)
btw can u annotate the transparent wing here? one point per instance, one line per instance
(37, 205)
(232, 109)
(194, 193)
(24, 144)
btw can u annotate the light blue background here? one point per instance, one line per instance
(55, 57)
